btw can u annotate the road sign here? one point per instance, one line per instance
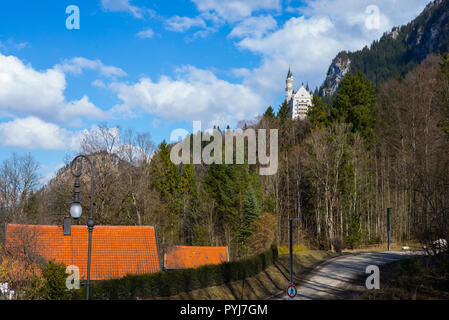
(292, 291)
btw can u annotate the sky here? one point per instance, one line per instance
(155, 66)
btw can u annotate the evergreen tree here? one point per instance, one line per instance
(191, 202)
(355, 235)
(354, 104)
(250, 211)
(318, 113)
(31, 207)
(166, 179)
(269, 113)
(285, 112)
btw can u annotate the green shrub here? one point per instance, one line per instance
(54, 287)
(410, 267)
(164, 284)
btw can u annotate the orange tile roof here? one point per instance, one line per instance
(184, 257)
(116, 250)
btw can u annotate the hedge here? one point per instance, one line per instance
(164, 284)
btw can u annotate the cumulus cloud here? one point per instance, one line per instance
(125, 6)
(195, 94)
(182, 24)
(11, 45)
(311, 40)
(350, 15)
(304, 43)
(146, 34)
(235, 10)
(78, 64)
(254, 27)
(25, 91)
(33, 133)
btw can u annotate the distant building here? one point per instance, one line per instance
(185, 257)
(299, 101)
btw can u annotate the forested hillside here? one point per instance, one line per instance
(397, 52)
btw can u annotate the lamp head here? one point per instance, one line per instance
(76, 210)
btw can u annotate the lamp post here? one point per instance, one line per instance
(388, 228)
(76, 209)
(291, 247)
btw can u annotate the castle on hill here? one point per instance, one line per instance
(299, 101)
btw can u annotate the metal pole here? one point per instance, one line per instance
(90, 226)
(90, 221)
(291, 249)
(388, 228)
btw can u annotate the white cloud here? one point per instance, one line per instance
(309, 42)
(235, 10)
(254, 27)
(347, 14)
(78, 64)
(123, 5)
(194, 95)
(304, 43)
(25, 91)
(98, 83)
(33, 133)
(146, 34)
(72, 112)
(11, 45)
(182, 24)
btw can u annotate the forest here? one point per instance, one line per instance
(370, 148)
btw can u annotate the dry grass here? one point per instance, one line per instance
(384, 247)
(271, 281)
(296, 249)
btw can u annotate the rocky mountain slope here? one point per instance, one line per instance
(396, 52)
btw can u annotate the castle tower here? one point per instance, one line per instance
(289, 87)
(299, 101)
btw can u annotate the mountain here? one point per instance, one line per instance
(397, 52)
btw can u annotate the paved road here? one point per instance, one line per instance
(328, 281)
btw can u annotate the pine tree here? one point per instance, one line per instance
(354, 104)
(285, 112)
(318, 113)
(31, 207)
(269, 113)
(355, 235)
(250, 211)
(166, 179)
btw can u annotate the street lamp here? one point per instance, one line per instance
(76, 209)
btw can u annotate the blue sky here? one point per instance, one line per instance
(155, 66)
